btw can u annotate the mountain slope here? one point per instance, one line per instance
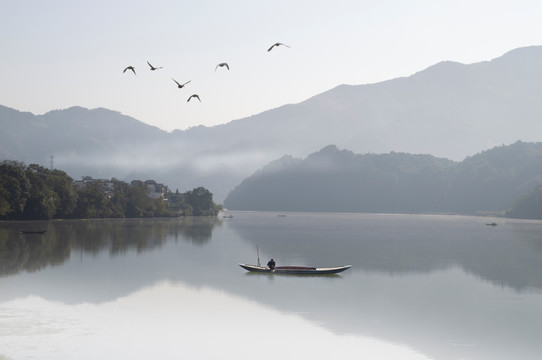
(334, 180)
(82, 141)
(449, 110)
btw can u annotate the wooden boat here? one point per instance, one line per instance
(299, 270)
(33, 231)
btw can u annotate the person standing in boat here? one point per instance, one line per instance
(271, 264)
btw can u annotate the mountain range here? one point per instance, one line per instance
(333, 180)
(449, 110)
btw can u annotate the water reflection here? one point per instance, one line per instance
(31, 252)
(174, 321)
(506, 255)
(448, 287)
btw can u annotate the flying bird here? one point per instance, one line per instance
(221, 65)
(152, 67)
(276, 44)
(180, 86)
(193, 96)
(130, 68)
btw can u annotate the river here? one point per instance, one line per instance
(420, 287)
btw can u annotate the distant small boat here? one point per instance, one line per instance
(227, 216)
(33, 231)
(492, 224)
(296, 270)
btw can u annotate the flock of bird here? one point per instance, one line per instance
(182, 85)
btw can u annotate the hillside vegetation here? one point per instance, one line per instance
(35, 193)
(340, 181)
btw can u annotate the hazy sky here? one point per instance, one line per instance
(61, 53)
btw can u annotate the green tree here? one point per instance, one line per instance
(201, 201)
(4, 201)
(14, 181)
(59, 182)
(42, 201)
(119, 199)
(138, 203)
(91, 202)
(159, 208)
(35, 192)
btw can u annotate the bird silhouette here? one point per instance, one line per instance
(152, 67)
(193, 96)
(180, 86)
(221, 65)
(129, 68)
(276, 44)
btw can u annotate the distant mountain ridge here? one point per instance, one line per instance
(449, 110)
(73, 132)
(333, 180)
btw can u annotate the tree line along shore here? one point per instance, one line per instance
(33, 192)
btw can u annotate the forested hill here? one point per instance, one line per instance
(449, 110)
(334, 180)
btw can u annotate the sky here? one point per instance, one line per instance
(62, 53)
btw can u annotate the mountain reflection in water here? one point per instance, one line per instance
(446, 287)
(32, 252)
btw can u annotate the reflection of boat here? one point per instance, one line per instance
(299, 270)
(33, 231)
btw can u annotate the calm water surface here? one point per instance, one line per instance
(420, 287)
